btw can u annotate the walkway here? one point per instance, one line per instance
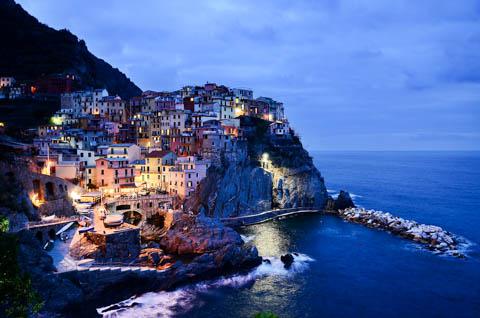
(266, 216)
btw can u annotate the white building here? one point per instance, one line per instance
(7, 81)
(131, 152)
(243, 93)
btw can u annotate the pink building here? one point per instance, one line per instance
(114, 175)
(183, 179)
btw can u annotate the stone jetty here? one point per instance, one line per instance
(434, 237)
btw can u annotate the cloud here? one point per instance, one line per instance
(382, 67)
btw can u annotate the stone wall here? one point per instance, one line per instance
(51, 191)
(121, 245)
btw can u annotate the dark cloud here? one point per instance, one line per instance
(353, 74)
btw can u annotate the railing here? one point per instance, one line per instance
(265, 216)
(36, 224)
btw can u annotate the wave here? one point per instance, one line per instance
(334, 194)
(247, 238)
(182, 300)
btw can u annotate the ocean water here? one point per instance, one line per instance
(347, 270)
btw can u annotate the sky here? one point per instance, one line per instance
(353, 75)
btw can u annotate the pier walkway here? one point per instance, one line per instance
(265, 216)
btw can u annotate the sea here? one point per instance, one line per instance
(347, 270)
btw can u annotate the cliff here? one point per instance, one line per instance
(265, 172)
(31, 49)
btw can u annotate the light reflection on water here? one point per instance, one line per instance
(269, 239)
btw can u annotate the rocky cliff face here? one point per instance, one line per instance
(212, 246)
(265, 172)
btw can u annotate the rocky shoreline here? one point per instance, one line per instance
(433, 237)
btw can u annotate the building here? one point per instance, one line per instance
(130, 152)
(113, 108)
(243, 93)
(114, 175)
(157, 163)
(280, 129)
(184, 177)
(275, 109)
(7, 81)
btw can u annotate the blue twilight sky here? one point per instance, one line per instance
(354, 75)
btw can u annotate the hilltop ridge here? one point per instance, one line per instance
(31, 49)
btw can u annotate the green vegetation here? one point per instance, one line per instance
(265, 314)
(4, 224)
(18, 297)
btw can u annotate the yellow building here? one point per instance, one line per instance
(152, 172)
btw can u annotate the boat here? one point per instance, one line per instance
(64, 228)
(48, 246)
(113, 220)
(86, 229)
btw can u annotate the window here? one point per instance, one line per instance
(102, 172)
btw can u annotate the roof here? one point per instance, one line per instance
(139, 162)
(112, 159)
(158, 154)
(120, 145)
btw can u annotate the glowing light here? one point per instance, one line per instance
(46, 168)
(2, 124)
(265, 157)
(238, 111)
(57, 121)
(75, 195)
(35, 200)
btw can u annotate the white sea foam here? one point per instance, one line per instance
(167, 304)
(247, 238)
(334, 194)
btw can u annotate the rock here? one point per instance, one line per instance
(192, 235)
(267, 261)
(153, 244)
(434, 237)
(154, 257)
(57, 292)
(289, 179)
(287, 260)
(213, 245)
(343, 201)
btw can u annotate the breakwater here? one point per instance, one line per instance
(434, 237)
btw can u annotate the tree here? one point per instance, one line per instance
(265, 314)
(18, 297)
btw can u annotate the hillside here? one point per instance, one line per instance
(30, 49)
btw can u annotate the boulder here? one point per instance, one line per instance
(287, 260)
(198, 235)
(343, 201)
